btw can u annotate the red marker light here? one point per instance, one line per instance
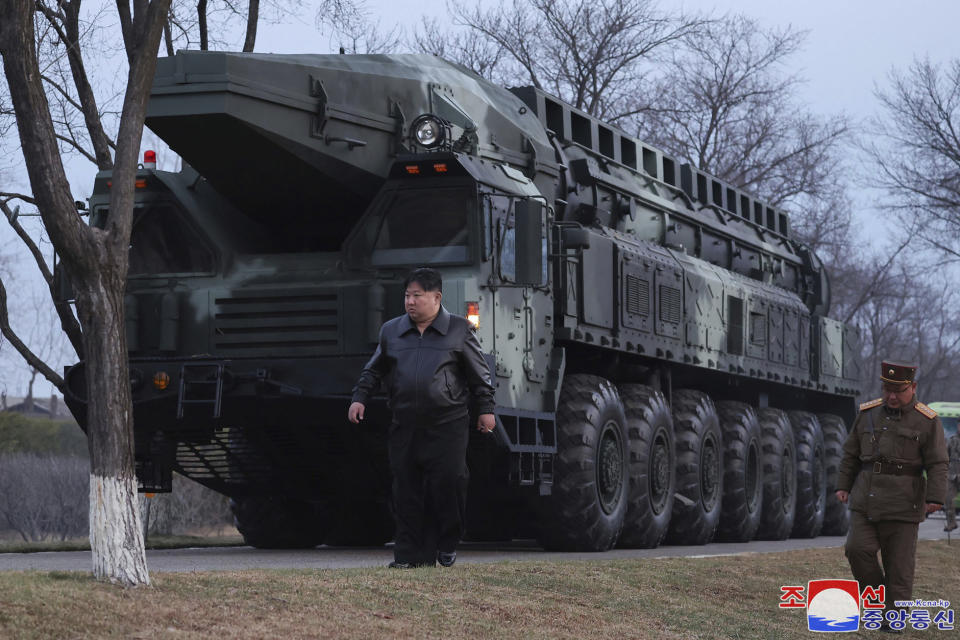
(440, 167)
(413, 169)
(149, 159)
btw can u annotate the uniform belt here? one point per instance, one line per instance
(893, 468)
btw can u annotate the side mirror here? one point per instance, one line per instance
(528, 221)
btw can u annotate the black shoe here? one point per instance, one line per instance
(400, 565)
(446, 558)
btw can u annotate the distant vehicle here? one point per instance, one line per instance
(949, 413)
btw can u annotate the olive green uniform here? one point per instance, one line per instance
(953, 481)
(884, 457)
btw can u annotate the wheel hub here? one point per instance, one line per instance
(609, 468)
(709, 474)
(659, 473)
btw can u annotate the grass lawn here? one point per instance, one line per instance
(728, 597)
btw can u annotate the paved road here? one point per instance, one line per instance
(239, 558)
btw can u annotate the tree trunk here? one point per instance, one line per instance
(202, 23)
(96, 260)
(168, 38)
(116, 534)
(253, 17)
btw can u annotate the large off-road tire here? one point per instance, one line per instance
(778, 459)
(364, 523)
(836, 516)
(742, 475)
(586, 508)
(652, 466)
(811, 475)
(699, 446)
(274, 522)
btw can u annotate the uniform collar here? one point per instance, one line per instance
(899, 412)
(440, 324)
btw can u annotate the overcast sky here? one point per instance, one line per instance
(850, 48)
(851, 43)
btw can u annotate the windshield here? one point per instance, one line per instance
(425, 226)
(161, 242)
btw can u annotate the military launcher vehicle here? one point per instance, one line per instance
(665, 364)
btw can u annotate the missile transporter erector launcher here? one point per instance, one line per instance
(664, 361)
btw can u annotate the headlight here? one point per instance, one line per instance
(429, 131)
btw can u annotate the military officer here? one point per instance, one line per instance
(893, 441)
(953, 481)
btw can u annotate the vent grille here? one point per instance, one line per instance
(669, 304)
(230, 458)
(224, 458)
(638, 296)
(277, 321)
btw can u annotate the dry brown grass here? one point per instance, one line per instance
(729, 597)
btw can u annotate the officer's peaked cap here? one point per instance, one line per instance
(897, 372)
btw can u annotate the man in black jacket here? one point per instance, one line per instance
(432, 365)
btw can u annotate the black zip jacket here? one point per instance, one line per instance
(429, 378)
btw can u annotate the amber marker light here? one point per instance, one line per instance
(140, 183)
(440, 167)
(412, 169)
(161, 380)
(473, 314)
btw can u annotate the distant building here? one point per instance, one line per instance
(53, 407)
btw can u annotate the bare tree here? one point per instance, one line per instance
(724, 102)
(43, 497)
(95, 258)
(353, 28)
(213, 24)
(917, 152)
(481, 55)
(190, 508)
(891, 306)
(591, 54)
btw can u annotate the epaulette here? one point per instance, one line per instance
(925, 410)
(870, 405)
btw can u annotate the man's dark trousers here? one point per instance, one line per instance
(429, 488)
(897, 543)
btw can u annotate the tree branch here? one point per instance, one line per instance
(23, 349)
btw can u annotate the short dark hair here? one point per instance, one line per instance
(426, 277)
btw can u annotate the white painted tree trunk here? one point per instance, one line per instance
(116, 534)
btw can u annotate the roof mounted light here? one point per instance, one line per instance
(429, 131)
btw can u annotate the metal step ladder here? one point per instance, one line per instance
(200, 384)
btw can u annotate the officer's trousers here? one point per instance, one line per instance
(429, 466)
(897, 544)
(949, 507)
